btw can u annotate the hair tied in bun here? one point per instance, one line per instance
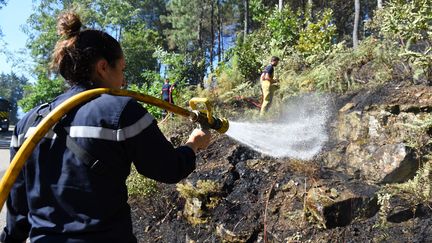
(68, 24)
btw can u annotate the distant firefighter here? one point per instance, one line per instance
(166, 93)
(268, 86)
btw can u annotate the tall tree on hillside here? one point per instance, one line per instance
(212, 33)
(230, 22)
(309, 10)
(356, 23)
(190, 34)
(184, 18)
(219, 26)
(150, 11)
(197, 29)
(200, 54)
(135, 23)
(280, 5)
(343, 14)
(246, 18)
(138, 45)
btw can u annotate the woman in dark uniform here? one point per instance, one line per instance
(73, 186)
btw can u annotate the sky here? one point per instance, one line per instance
(12, 17)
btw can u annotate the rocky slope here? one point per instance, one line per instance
(379, 137)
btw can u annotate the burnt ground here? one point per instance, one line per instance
(263, 199)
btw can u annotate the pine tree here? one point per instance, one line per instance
(356, 23)
(246, 18)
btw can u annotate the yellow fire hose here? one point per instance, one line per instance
(204, 118)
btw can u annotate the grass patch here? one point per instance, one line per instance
(415, 191)
(199, 199)
(139, 185)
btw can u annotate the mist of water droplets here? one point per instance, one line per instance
(299, 132)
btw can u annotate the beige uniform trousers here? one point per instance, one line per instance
(268, 88)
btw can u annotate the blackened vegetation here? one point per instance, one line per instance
(246, 178)
(295, 201)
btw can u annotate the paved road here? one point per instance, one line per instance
(4, 163)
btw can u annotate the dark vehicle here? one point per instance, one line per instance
(5, 107)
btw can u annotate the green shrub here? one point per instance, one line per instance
(344, 69)
(405, 21)
(176, 64)
(152, 89)
(283, 26)
(247, 55)
(199, 199)
(44, 90)
(409, 24)
(316, 39)
(246, 89)
(278, 34)
(228, 77)
(139, 185)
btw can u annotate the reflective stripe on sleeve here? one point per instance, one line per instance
(111, 134)
(93, 132)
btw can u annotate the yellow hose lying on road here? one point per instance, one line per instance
(221, 125)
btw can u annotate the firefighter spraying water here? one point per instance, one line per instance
(71, 156)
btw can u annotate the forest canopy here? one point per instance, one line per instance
(221, 46)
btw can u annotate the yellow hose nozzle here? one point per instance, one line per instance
(220, 125)
(205, 117)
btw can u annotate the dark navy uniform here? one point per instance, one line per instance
(60, 198)
(270, 70)
(166, 92)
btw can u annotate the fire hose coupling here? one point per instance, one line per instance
(205, 117)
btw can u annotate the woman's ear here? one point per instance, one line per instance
(101, 70)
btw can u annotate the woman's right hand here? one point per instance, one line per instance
(199, 139)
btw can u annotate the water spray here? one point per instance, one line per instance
(299, 132)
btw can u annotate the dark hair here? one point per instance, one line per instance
(77, 52)
(274, 58)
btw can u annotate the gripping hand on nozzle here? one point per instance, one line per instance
(199, 139)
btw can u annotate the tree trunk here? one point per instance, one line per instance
(356, 23)
(246, 18)
(280, 5)
(200, 30)
(219, 23)
(212, 33)
(309, 9)
(380, 3)
(201, 54)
